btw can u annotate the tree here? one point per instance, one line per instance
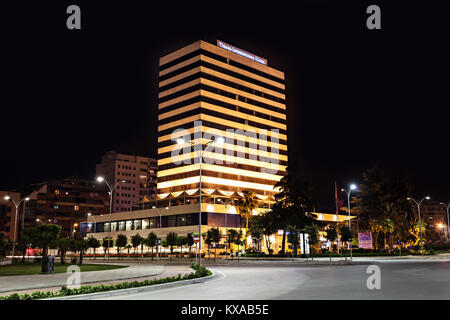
(73, 247)
(151, 241)
(128, 247)
(82, 245)
(294, 201)
(121, 242)
(331, 236)
(93, 243)
(63, 246)
(388, 229)
(171, 239)
(245, 207)
(313, 233)
(190, 242)
(136, 241)
(105, 244)
(381, 207)
(256, 231)
(231, 238)
(46, 235)
(238, 240)
(293, 238)
(346, 234)
(213, 236)
(181, 241)
(26, 239)
(3, 244)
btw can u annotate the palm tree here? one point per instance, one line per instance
(388, 228)
(245, 206)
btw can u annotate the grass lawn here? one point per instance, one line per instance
(34, 268)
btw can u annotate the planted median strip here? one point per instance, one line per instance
(200, 272)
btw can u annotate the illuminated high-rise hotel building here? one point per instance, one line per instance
(208, 90)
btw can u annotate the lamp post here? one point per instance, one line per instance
(74, 229)
(111, 189)
(447, 205)
(160, 226)
(199, 150)
(17, 205)
(95, 221)
(440, 227)
(348, 192)
(418, 203)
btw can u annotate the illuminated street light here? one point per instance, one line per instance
(348, 192)
(17, 205)
(199, 150)
(418, 203)
(95, 221)
(111, 189)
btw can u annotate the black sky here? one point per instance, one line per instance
(355, 97)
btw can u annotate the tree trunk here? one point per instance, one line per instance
(81, 257)
(246, 229)
(283, 243)
(152, 253)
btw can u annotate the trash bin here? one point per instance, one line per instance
(51, 264)
(48, 264)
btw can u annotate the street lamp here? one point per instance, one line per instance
(447, 205)
(40, 221)
(418, 203)
(95, 221)
(349, 192)
(111, 188)
(160, 226)
(159, 211)
(17, 205)
(74, 229)
(199, 150)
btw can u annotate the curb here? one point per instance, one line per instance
(135, 290)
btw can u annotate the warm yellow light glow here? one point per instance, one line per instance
(221, 157)
(214, 131)
(220, 181)
(221, 121)
(219, 168)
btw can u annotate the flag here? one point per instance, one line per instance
(339, 202)
(336, 197)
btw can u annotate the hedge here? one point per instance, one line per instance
(64, 291)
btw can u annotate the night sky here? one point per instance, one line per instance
(355, 96)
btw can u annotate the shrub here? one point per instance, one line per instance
(64, 291)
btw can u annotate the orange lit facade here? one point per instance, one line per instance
(209, 91)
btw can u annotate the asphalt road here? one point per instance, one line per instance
(400, 279)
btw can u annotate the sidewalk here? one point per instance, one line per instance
(37, 281)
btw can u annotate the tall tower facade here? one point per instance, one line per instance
(228, 104)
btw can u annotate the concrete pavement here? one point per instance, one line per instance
(136, 270)
(411, 278)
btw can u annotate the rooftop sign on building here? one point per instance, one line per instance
(241, 52)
